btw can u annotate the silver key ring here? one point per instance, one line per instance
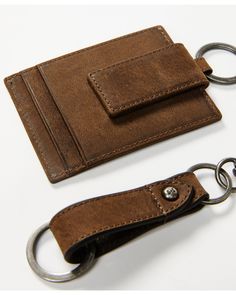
(219, 167)
(222, 46)
(53, 277)
(227, 178)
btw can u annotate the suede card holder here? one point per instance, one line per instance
(98, 103)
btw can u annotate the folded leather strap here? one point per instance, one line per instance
(109, 221)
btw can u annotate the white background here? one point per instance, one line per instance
(195, 252)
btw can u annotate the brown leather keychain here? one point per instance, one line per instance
(91, 228)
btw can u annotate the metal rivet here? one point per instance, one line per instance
(170, 193)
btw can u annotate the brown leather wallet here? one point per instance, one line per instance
(98, 103)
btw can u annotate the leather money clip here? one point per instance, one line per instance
(101, 102)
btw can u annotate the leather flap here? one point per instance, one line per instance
(146, 79)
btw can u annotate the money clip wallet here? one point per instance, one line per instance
(101, 102)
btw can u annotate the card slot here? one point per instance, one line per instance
(36, 129)
(53, 120)
(70, 130)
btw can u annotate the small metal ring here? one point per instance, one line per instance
(223, 46)
(218, 169)
(53, 277)
(226, 177)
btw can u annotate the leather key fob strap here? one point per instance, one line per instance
(107, 222)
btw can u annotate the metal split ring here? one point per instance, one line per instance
(226, 177)
(53, 277)
(222, 46)
(219, 167)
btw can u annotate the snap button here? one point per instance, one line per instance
(170, 193)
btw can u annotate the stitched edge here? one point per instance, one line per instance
(45, 123)
(151, 139)
(71, 132)
(156, 199)
(156, 94)
(50, 130)
(165, 36)
(71, 170)
(134, 220)
(160, 135)
(146, 98)
(25, 116)
(69, 208)
(189, 188)
(159, 28)
(209, 103)
(127, 61)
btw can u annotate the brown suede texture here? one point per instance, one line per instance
(146, 79)
(153, 90)
(108, 221)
